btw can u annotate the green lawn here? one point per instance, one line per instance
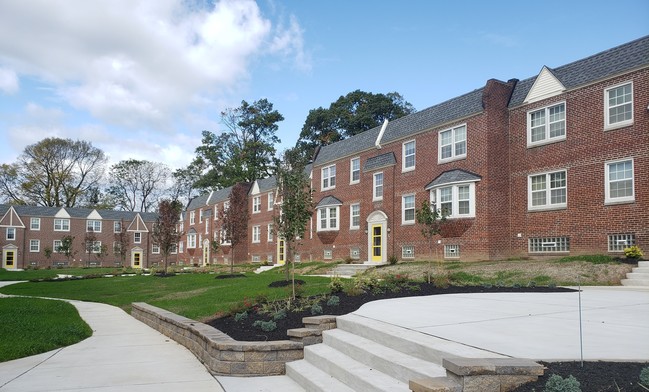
(32, 326)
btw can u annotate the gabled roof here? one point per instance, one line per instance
(329, 201)
(379, 161)
(546, 85)
(453, 177)
(267, 184)
(73, 212)
(11, 219)
(137, 224)
(615, 61)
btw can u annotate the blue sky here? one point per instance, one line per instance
(143, 79)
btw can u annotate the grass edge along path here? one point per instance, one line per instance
(34, 325)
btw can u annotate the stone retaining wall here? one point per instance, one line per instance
(221, 354)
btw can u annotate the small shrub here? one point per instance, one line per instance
(334, 300)
(240, 316)
(354, 291)
(392, 260)
(266, 326)
(279, 315)
(441, 281)
(336, 285)
(557, 383)
(633, 252)
(644, 376)
(348, 260)
(316, 309)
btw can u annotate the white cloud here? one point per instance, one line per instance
(8, 81)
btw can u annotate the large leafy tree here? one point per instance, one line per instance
(136, 185)
(184, 188)
(245, 151)
(349, 115)
(234, 219)
(165, 233)
(53, 172)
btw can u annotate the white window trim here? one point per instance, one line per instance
(452, 251)
(93, 221)
(256, 204)
(31, 224)
(403, 156)
(404, 222)
(329, 177)
(271, 200)
(256, 234)
(96, 247)
(328, 218)
(155, 249)
(61, 221)
(192, 217)
(607, 125)
(374, 196)
(547, 206)
(548, 139)
(351, 216)
(55, 247)
(115, 224)
(10, 230)
(191, 241)
(351, 171)
(135, 235)
(200, 216)
(453, 157)
(607, 194)
(455, 207)
(269, 236)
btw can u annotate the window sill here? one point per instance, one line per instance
(327, 189)
(616, 202)
(407, 223)
(545, 142)
(408, 169)
(447, 160)
(354, 182)
(618, 126)
(550, 208)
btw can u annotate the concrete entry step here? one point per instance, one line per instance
(635, 282)
(311, 378)
(352, 269)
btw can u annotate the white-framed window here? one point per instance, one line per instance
(355, 216)
(270, 232)
(451, 251)
(191, 241)
(56, 246)
(155, 249)
(117, 227)
(455, 201)
(61, 224)
(224, 237)
(181, 247)
(34, 246)
(355, 253)
(93, 226)
(35, 224)
(547, 190)
(93, 247)
(200, 216)
(546, 125)
(117, 247)
(452, 144)
(618, 106)
(192, 217)
(619, 182)
(11, 233)
(256, 259)
(355, 170)
(271, 200)
(328, 177)
(408, 209)
(174, 249)
(377, 193)
(328, 218)
(256, 204)
(269, 258)
(408, 252)
(328, 254)
(137, 237)
(226, 205)
(549, 245)
(256, 234)
(617, 242)
(408, 156)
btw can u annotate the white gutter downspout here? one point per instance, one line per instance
(377, 144)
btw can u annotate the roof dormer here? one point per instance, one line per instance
(545, 86)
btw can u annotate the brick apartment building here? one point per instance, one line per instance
(556, 164)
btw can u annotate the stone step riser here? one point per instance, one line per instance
(642, 270)
(635, 282)
(313, 379)
(401, 366)
(638, 275)
(643, 264)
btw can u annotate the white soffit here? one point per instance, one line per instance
(545, 86)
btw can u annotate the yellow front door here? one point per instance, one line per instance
(137, 260)
(377, 243)
(9, 259)
(280, 252)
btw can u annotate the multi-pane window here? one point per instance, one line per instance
(34, 245)
(328, 254)
(454, 201)
(378, 186)
(452, 144)
(549, 244)
(61, 224)
(617, 242)
(256, 234)
(408, 162)
(117, 227)
(408, 252)
(328, 218)
(192, 217)
(546, 125)
(137, 237)
(451, 251)
(547, 190)
(355, 216)
(619, 181)
(93, 247)
(200, 216)
(174, 249)
(270, 232)
(408, 209)
(256, 204)
(11, 233)
(93, 226)
(35, 223)
(329, 177)
(354, 170)
(56, 246)
(271, 201)
(191, 241)
(619, 105)
(155, 249)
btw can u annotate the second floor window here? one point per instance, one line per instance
(93, 226)
(61, 224)
(452, 144)
(408, 162)
(35, 224)
(256, 204)
(378, 186)
(618, 102)
(546, 125)
(329, 177)
(137, 237)
(11, 233)
(354, 171)
(117, 227)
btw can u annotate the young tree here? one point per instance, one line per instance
(136, 185)
(234, 219)
(122, 243)
(67, 247)
(296, 205)
(165, 232)
(90, 240)
(431, 221)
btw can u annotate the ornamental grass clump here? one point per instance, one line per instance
(334, 300)
(266, 326)
(557, 383)
(644, 378)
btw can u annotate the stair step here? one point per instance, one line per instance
(356, 375)
(417, 344)
(638, 275)
(643, 263)
(635, 282)
(641, 270)
(313, 379)
(394, 363)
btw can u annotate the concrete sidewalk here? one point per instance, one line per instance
(123, 354)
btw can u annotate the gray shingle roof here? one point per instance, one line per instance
(80, 213)
(329, 201)
(266, 184)
(602, 65)
(453, 176)
(379, 161)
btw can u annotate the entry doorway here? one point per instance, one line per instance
(136, 259)
(377, 243)
(9, 258)
(281, 252)
(377, 237)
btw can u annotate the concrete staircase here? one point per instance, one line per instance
(351, 269)
(363, 354)
(639, 275)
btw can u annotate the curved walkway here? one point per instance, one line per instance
(122, 354)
